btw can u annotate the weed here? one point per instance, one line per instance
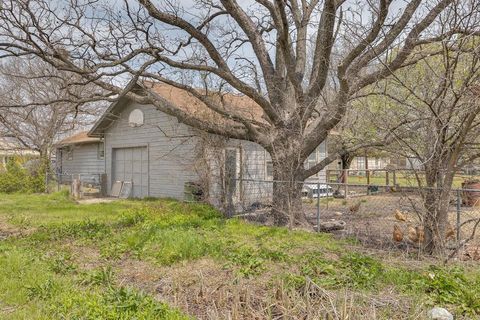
(131, 218)
(102, 276)
(451, 287)
(250, 262)
(62, 264)
(362, 272)
(42, 291)
(85, 229)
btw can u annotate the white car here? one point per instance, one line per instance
(313, 190)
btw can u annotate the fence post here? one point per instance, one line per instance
(230, 210)
(46, 181)
(318, 205)
(345, 181)
(367, 173)
(394, 178)
(459, 199)
(103, 184)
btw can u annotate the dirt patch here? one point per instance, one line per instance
(97, 200)
(8, 231)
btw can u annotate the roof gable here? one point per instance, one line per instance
(241, 105)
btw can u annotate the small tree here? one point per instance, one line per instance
(435, 106)
(38, 105)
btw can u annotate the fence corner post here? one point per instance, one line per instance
(318, 206)
(46, 181)
(345, 181)
(230, 209)
(459, 199)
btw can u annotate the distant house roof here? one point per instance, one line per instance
(79, 138)
(11, 146)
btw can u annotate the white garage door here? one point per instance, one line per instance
(131, 164)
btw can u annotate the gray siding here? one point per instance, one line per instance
(85, 160)
(252, 167)
(173, 150)
(170, 147)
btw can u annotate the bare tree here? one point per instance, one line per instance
(434, 105)
(256, 48)
(31, 106)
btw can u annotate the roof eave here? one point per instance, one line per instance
(97, 130)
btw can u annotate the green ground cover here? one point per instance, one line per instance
(63, 260)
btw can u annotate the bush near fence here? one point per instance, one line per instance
(17, 177)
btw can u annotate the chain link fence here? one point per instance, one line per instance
(377, 216)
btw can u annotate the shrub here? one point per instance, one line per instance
(16, 178)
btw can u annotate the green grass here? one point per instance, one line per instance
(41, 279)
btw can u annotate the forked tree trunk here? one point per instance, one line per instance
(287, 194)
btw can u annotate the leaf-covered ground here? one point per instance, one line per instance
(162, 259)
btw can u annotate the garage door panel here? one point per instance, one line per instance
(131, 164)
(119, 154)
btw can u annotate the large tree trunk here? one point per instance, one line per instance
(287, 192)
(435, 220)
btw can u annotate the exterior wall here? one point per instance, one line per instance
(84, 161)
(318, 155)
(170, 147)
(414, 164)
(254, 185)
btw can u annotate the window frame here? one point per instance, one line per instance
(69, 153)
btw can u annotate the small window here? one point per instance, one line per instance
(269, 170)
(69, 153)
(101, 151)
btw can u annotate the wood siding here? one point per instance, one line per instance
(84, 160)
(170, 147)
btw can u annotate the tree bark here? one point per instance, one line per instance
(435, 221)
(437, 203)
(287, 192)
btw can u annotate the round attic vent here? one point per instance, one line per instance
(135, 119)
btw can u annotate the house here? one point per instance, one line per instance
(11, 147)
(374, 163)
(378, 163)
(165, 158)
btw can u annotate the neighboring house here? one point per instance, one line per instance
(414, 163)
(378, 163)
(10, 148)
(374, 163)
(165, 158)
